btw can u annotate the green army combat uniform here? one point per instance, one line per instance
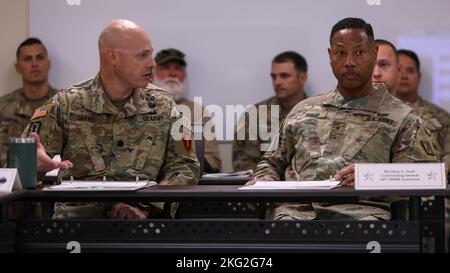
(247, 153)
(120, 143)
(15, 113)
(323, 134)
(212, 157)
(437, 120)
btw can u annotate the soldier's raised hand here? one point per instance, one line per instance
(44, 162)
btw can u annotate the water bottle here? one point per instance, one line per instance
(22, 156)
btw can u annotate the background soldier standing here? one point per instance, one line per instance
(17, 107)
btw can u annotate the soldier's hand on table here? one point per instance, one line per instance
(346, 175)
(44, 162)
(250, 182)
(125, 211)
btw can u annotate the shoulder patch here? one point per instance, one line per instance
(427, 147)
(186, 138)
(35, 127)
(41, 111)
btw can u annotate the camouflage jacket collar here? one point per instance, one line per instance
(419, 103)
(275, 101)
(371, 102)
(26, 106)
(99, 102)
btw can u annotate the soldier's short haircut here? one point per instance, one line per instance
(352, 23)
(387, 43)
(412, 55)
(28, 42)
(299, 61)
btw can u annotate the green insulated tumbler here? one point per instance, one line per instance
(22, 156)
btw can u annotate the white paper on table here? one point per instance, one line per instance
(77, 185)
(305, 185)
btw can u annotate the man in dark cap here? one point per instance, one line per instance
(170, 74)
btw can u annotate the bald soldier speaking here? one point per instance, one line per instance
(115, 125)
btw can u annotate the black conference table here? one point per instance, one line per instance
(235, 235)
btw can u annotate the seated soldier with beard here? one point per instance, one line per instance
(170, 74)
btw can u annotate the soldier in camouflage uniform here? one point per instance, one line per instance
(387, 71)
(436, 119)
(18, 107)
(116, 125)
(289, 74)
(170, 74)
(387, 67)
(357, 122)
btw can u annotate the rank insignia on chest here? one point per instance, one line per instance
(41, 111)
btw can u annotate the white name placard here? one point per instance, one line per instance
(9, 180)
(400, 176)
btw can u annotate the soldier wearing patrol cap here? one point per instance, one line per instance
(115, 125)
(170, 74)
(17, 107)
(358, 121)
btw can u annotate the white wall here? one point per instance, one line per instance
(13, 30)
(230, 43)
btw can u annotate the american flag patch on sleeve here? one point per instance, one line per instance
(41, 111)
